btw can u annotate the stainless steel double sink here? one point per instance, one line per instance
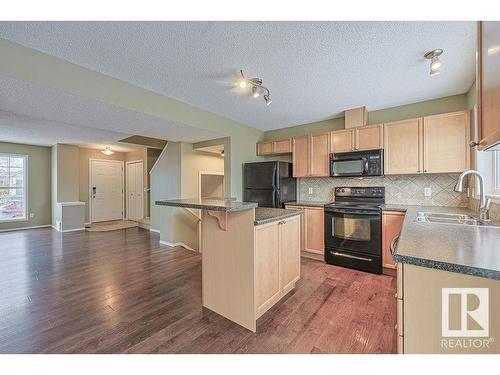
(455, 219)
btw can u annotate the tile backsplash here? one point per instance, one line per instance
(400, 189)
(494, 209)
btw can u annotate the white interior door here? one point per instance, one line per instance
(106, 190)
(135, 191)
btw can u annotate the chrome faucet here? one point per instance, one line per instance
(484, 205)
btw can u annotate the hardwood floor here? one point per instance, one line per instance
(122, 292)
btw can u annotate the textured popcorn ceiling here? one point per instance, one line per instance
(398, 189)
(315, 70)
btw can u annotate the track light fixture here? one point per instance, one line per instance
(436, 64)
(256, 86)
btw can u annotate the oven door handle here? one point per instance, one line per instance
(337, 254)
(371, 213)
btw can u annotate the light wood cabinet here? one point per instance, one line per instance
(312, 229)
(311, 155)
(265, 148)
(355, 117)
(403, 147)
(342, 140)
(277, 261)
(300, 156)
(392, 222)
(369, 137)
(488, 85)
(267, 255)
(319, 155)
(446, 142)
(282, 146)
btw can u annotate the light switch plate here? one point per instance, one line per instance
(32, 215)
(427, 192)
(310, 190)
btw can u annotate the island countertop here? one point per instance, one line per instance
(470, 250)
(225, 205)
(264, 215)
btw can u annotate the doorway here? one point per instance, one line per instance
(135, 190)
(106, 190)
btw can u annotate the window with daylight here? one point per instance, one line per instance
(13, 179)
(496, 173)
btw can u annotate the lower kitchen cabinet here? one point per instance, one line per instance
(312, 229)
(392, 221)
(423, 325)
(277, 261)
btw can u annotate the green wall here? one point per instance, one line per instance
(425, 108)
(39, 181)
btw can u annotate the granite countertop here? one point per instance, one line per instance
(213, 204)
(309, 203)
(264, 215)
(464, 249)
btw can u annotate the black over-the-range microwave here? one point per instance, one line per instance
(357, 163)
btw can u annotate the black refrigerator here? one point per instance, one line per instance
(269, 183)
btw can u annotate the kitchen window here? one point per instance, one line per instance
(496, 173)
(13, 181)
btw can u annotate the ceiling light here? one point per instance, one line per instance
(107, 151)
(267, 99)
(222, 153)
(256, 87)
(255, 92)
(436, 64)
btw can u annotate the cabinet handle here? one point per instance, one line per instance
(396, 327)
(395, 296)
(425, 170)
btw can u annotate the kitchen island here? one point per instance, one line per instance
(250, 256)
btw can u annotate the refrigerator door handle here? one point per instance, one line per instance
(276, 198)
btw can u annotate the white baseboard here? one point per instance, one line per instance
(176, 244)
(154, 230)
(26, 228)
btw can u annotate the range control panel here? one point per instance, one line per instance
(378, 192)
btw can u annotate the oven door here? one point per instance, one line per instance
(355, 230)
(357, 166)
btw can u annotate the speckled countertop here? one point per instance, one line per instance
(309, 203)
(470, 250)
(219, 204)
(396, 207)
(264, 215)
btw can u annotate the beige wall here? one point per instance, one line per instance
(68, 161)
(429, 107)
(39, 182)
(85, 155)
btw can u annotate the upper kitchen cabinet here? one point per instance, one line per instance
(265, 148)
(342, 140)
(446, 142)
(403, 147)
(311, 155)
(369, 137)
(282, 146)
(300, 156)
(489, 85)
(319, 154)
(355, 117)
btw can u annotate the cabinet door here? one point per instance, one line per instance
(391, 227)
(265, 148)
(403, 147)
(302, 224)
(267, 258)
(489, 77)
(319, 155)
(314, 230)
(342, 140)
(446, 142)
(300, 156)
(282, 147)
(289, 251)
(369, 137)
